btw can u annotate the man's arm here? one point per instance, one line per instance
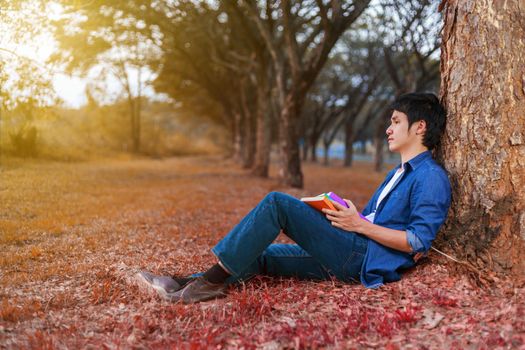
(348, 219)
(388, 237)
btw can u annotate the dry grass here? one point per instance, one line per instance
(71, 235)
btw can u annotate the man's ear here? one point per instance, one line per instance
(421, 127)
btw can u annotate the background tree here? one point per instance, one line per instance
(298, 52)
(25, 84)
(111, 41)
(319, 111)
(391, 49)
(482, 88)
(411, 41)
(207, 53)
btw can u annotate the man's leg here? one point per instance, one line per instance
(284, 260)
(339, 251)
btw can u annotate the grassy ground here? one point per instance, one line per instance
(73, 234)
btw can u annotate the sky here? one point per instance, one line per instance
(70, 89)
(35, 51)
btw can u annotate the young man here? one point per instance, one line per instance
(403, 217)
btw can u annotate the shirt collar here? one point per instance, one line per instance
(417, 160)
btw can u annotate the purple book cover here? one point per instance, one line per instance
(339, 200)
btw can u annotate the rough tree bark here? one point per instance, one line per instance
(483, 149)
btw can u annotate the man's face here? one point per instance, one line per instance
(400, 137)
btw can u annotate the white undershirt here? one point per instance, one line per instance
(385, 191)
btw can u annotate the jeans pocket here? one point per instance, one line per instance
(352, 266)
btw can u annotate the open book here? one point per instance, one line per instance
(324, 200)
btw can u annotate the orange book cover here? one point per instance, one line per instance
(319, 202)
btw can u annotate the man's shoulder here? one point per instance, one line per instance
(431, 171)
(430, 165)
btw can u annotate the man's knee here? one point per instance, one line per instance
(276, 197)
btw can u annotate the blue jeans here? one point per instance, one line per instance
(322, 251)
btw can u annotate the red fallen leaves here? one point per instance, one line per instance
(75, 290)
(440, 298)
(303, 333)
(247, 304)
(408, 315)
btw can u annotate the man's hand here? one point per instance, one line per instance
(345, 218)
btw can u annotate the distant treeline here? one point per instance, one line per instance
(294, 74)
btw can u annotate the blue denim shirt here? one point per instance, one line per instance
(418, 204)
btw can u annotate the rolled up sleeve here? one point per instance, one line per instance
(430, 202)
(415, 242)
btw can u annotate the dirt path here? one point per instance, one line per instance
(71, 235)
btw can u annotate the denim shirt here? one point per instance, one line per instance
(418, 203)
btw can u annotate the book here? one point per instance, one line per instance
(324, 200)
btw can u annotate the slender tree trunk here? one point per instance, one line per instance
(231, 128)
(378, 155)
(237, 136)
(248, 132)
(265, 101)
(349, 142)
(326, 157)
(483, 149)
(138, 106)
(290, 172)
(313, 150)
(379, 158)
(133, 123)
(314, 138)
(362, 149)
(379, 142)
(1, 150)
(136, 138)
(249, 142)
(263, 134)
(305, 149)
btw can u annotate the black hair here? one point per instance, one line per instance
(423, 106)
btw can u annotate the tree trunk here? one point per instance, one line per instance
(314, 138)
(138, 112)
(137, 143)
(313, 150)
(135, 146)
(349, 142)
(362, 149)
(379, 141)
(237, 136)
(248, 131)
(325, 156)
(249, 142)
(483, 149)
(379, 159)
(305, 149)
(263, 134)
(290, 171)
(1, 136)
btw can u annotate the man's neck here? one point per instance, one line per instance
(411, 153)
